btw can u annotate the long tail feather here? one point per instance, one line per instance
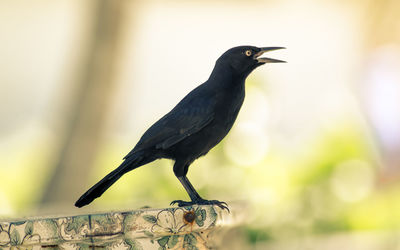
(99, 188)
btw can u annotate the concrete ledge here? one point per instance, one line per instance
(196, 227)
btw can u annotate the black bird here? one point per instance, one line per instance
(195, 125)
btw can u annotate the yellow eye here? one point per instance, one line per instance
(248, 53)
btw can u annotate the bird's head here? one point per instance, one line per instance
(244, 59)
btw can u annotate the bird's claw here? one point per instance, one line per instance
(181, 203)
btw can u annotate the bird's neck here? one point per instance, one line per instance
(225, 76)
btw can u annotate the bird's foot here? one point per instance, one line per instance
(220, 204)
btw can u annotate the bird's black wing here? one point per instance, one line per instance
(187, 118)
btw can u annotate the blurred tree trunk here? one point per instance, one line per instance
(87, 109)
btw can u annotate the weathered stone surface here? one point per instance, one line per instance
(196, 227)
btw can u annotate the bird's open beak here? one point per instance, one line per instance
(266, 59)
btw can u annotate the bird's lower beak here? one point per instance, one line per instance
(266, 59)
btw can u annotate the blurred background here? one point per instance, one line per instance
(316, 147)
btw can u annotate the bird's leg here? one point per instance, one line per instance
(195, 197)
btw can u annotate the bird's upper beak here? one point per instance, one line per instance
(266, 59)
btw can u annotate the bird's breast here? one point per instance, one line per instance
(226, 112)
(228, 108)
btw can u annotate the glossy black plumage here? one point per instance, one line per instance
(195, 125)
